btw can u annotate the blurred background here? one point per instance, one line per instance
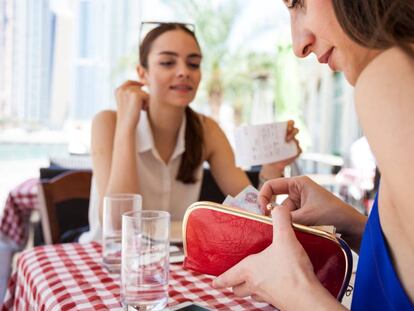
(60, 61)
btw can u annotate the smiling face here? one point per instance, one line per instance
(173, 72)
(315, 29)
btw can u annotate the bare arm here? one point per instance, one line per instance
(385, 104)
(220, 156)
(123, 176)
(114, 145)
(103, 131)
(113, 157)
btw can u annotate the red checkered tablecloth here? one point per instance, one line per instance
(71, 276)
(19, 205)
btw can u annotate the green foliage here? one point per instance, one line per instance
(231, 72)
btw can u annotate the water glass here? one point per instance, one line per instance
(114, 206)
(145, 260)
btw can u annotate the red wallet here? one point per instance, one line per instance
(216, 237)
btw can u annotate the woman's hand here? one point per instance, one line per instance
(131, 99)
(312, 204)
(291, 132)
(275, 170)
(281, 275)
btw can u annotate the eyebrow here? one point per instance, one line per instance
(192, 55)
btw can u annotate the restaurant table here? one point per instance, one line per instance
(20, 203)
(71, 277)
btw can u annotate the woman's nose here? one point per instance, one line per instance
(183, 71)
(302, 39)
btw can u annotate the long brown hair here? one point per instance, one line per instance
(378, 24)
(194, 135)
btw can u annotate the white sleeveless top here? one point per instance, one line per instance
(159, 188)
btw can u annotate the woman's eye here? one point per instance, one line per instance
(194, 65)
(167, 63)
(294, 3)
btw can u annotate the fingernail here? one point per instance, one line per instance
(270, 206)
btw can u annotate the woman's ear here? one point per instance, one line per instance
(142, 74)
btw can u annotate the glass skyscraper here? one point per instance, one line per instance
(62, 59)
(107, 32)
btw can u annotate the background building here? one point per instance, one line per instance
(105, 32)
(62, 59)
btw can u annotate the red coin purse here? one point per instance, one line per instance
(216, 237)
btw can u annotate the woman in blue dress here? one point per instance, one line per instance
(372, 42)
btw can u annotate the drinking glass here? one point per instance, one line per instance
(114, 206)
(145, 260)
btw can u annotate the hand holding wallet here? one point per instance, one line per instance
(216, 237)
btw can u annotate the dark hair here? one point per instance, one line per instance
(194, 135)
(378, 24)
(146, 44)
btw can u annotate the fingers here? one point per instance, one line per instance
(131, 87)
(282, 222)
(242, 290)
(230, 278)
(258, 298)
(129, 84)
(145, 104)
(292, 134)
(270, 188)
(289, 204)
(298, 146)
(291, 131)
(133, 82)
(290, 125)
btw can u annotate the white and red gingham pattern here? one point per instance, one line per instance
(71, 276)
(19, 205)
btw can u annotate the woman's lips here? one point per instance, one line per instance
(327, 59)
(183, 88)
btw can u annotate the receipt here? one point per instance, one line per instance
(262, 144)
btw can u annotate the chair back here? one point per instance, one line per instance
(210, 191)
(58, 201)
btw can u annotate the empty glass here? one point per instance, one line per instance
(113, 207)
(145, 260)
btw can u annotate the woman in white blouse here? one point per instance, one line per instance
(155, 144)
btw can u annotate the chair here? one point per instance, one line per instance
(64, 203)
(210, 191)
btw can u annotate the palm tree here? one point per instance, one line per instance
(214, 24)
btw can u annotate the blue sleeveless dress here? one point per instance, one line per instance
(377, 286)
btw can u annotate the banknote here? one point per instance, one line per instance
(246, 200)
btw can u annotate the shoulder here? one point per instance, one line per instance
(214, 137)
(208, 123)
(213, 133)
(390, 72)
(104, 116)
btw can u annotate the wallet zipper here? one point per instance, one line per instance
(238, 212)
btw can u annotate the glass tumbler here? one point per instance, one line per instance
(145, 260)
(113, 207)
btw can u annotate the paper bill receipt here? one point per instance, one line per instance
(262, 144)
(246, 200)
